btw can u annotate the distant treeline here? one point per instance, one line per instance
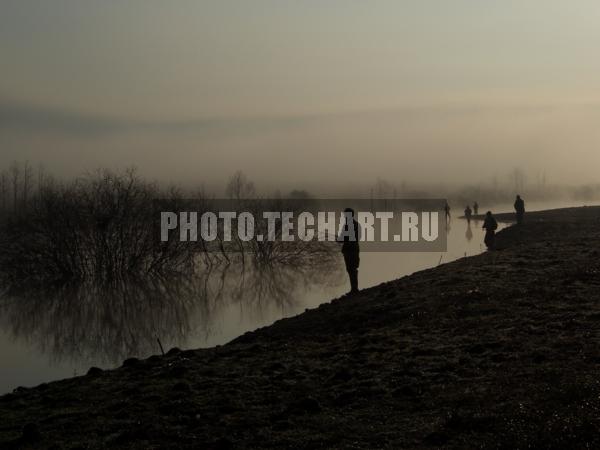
(17, 183)
(492, 192)
(102, 224)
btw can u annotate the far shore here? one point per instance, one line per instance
(557, 214)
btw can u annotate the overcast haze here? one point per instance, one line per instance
(301, 92)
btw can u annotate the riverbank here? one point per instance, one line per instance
(499, 350)
(574, 214)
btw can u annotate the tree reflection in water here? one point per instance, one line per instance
(104, 323)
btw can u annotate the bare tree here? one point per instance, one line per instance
(27, 178)
(240, 187)
(15, 175)
(382, 188)
(41, 176)
(518, 178)
(3, 189)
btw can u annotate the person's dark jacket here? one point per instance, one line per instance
(519, 205)
(351, 245)
(490, 224)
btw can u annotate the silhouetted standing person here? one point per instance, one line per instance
(350, 249)
(490, 226)
(520, 209)
(447, 210)
(475, 208)
(468, 213)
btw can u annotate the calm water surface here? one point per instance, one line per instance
(66, 330)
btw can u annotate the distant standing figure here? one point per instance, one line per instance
(520, 209)
(475, 208)
(350, 248)
(490, 226)
(468, 213)
(447, 209)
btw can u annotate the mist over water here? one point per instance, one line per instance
(442, 146)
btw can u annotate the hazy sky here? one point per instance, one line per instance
(301, 90)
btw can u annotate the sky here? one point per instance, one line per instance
(303, 91)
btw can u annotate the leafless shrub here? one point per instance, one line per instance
(101, 226)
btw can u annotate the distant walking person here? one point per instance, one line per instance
(520, 209)
(447, 209)
(475, 208)
(490, 226)
(468, 213)
(349, 239)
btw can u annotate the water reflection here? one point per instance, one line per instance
(104, 323)
(53, 333)
(469, 232)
